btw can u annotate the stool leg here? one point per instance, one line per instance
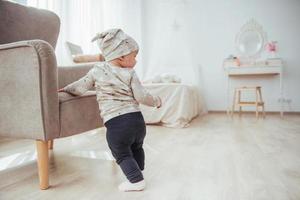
(256, 102)
(260, 96)
(263, 104)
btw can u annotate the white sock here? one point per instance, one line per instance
(128, 187)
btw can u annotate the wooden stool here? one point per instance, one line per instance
(258, 101)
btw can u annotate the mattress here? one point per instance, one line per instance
(180, 104)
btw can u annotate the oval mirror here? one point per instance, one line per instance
(250, 40)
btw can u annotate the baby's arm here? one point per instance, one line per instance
(80, 86)
(142, 95)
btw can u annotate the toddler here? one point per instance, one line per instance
(119, 93)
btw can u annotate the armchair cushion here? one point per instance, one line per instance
(78, 113)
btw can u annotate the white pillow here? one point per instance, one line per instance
(164, 78)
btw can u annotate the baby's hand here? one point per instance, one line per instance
(61, 90)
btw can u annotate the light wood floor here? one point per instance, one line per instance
(216, 158)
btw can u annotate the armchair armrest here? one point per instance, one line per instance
(69, 74)
(29, 106)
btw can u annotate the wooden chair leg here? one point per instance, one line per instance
(261, 100)
(50, 144)
(43, 163)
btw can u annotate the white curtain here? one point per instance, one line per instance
(169, 43)
(170, 46)
(82, 19)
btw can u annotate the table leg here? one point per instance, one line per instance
(228, 95)
(281, 94)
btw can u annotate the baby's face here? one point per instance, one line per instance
(129, 60)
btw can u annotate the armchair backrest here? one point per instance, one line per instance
(18, 22)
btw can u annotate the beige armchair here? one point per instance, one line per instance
(30, 106)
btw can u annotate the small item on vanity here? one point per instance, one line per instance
(237, 61)
(231, 61)
(271, 47)
(230, 57)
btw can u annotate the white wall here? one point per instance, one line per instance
(209, 29)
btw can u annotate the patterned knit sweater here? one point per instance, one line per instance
(119, 90)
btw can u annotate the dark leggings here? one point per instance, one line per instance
(125, 135)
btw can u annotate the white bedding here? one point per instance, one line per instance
(181, 103)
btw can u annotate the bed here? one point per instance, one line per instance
(181, 104)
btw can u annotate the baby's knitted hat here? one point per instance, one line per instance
(114, 43)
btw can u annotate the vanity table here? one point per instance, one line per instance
(255, 70)
(250, 42)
